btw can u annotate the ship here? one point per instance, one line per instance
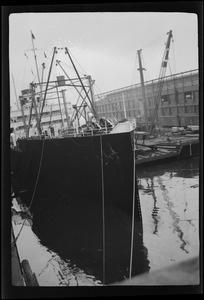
(84, 178)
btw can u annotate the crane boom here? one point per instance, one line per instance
(161, 77)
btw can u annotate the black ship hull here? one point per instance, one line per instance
(80, 191)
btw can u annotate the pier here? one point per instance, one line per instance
(154, 150)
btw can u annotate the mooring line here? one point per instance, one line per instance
(39, 169)
(33, 195)
(133, 213)
(103, 208)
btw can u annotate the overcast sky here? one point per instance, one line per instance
(103, 45)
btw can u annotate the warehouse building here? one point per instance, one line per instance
(178, 105)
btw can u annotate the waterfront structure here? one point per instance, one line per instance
(179, 103)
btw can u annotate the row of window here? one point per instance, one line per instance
(180, 98)
(164, 111)
(187, 98)
(172, 111)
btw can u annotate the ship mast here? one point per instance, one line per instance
(91, 83)
(92, 106)
(36, 64)
(23, 116)
(58, 97)
(45, 94)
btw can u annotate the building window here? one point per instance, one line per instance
(188, 96)
(173, 111)
(181, 110)
(164, 98)
(176, 96)
(180, 98)
(195, 109)
(149, 101)
(127, 104)
(165, 111)
(187, 81)
(172, 99)
(195, 96)
(190, 109)
(179, 83)
(194, 79)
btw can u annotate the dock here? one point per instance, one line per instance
(154, 150)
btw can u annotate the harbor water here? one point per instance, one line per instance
(169, 197)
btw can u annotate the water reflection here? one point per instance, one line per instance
(175, 217)
(169, 196)
(155, 209)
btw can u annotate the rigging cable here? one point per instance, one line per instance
(33, 195)
(103, 208)
(133, 212)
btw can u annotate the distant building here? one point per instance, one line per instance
(51, 114)
(179, 103)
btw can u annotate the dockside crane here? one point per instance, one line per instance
(161, 79)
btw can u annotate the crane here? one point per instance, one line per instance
(161, 78)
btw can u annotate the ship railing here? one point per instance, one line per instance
(83, 131)
(69, 132)
(92, 132)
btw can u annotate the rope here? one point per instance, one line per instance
(33, 195)
(103, 208)
(133, 213)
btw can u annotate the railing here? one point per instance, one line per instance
(73, 132)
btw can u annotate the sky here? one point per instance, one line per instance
(102, 44)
